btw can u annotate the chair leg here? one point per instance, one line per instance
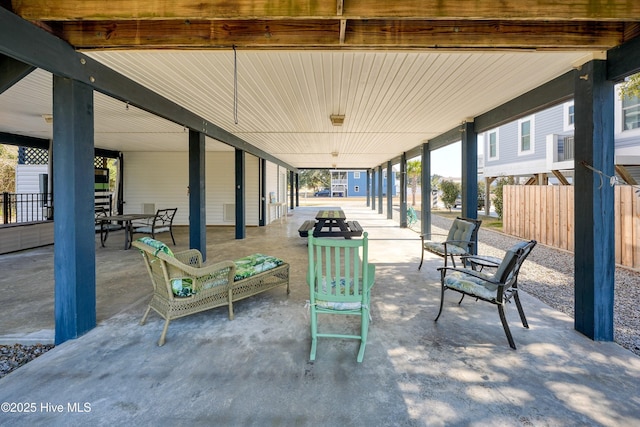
(164, 333)
(461, 298)
(520, 310)
(144, 318)
(364, 332)
(507, 331)
(421, 259)
(441, 302)
(314, 334)
(171, 232)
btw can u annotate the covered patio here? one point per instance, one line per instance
(255, 370)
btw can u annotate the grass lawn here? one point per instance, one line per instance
(487, 221)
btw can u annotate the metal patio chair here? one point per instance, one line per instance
(161, 223)
(497, 289)
(460, 241)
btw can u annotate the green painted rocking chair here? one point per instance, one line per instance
(340, 279)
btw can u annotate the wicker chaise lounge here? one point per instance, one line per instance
(183, 286)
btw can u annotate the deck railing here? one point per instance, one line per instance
(25, 207)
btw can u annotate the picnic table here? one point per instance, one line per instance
(331, 223)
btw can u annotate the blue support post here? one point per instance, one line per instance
(469, 196)
(74, 234)
(263, 192)
(425, 214)
(380, 209)
(240, 195)
(291, 188)
(197, 193)
(389, 190)
(373, 189)
(403, 190)
(368, 187)
(594, 202)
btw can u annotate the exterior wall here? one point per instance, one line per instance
(28, 177)
(161, 179)
(357, 186)
(547, 125)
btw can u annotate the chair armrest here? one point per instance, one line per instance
(422, 236)
(485, 261)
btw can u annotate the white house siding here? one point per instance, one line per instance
(28, 178)
(552, 122)
(162, 179)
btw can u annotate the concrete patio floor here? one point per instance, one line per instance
(255, 370)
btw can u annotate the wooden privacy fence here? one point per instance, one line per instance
(545, 213)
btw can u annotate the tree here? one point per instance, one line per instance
(450, 192)
(414, 170)
(631, 87)
(497, 198)
(8, 162)
(315, 178)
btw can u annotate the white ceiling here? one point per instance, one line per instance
(392, 101)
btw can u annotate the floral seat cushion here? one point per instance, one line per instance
(438, 247)
(338, 288)
(254, 264)
(471, 285)
(157, 245)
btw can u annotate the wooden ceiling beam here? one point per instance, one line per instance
(337, 34)
(100, 10)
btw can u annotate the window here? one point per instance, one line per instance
(525, 136)
(356, 175)
(569, 116)
(630, 113)
(493, 144)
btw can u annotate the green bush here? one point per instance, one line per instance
(450, 192)
(497, 198)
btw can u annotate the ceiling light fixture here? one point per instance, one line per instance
(337, 119)
(334, 154)
(48, 118)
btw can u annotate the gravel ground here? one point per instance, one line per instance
(547, 274)
(14, 356)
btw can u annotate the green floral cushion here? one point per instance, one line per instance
(182, 287)
(254, 264)
(156, 244)
(471, 285)
(337, 288)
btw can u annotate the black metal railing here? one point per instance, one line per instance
(26, 207)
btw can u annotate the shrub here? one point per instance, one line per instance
(497, 198)
(450, 192)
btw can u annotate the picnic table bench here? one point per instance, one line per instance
(331, 223)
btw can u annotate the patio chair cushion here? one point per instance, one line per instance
(253, 264)
(339, 290)
(471, 285)
(182, 287)
(157, 245)
(506, 265)
(438, 247)
(460, 232)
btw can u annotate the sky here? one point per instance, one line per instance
(447, 161)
